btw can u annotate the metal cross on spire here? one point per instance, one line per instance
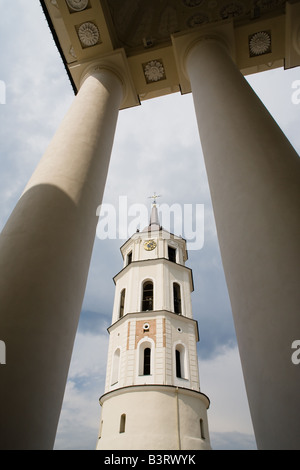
(154, 197)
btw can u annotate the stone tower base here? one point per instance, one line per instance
(156, 417)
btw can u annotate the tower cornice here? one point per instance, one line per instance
(156, 261)
(162, 233)
(153, 387)
(154, 314)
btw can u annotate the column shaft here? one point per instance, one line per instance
(45, 251)
(253, 173)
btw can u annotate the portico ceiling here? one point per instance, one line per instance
(141, 23)
(144, 39)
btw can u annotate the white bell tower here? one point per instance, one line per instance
(152, 396)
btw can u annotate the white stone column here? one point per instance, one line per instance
(45, 251)
(254, 179)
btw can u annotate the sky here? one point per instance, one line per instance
(156, 149)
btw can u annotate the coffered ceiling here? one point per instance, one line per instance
(137, 23)
(144, 37)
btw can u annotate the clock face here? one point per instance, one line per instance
(149, 245)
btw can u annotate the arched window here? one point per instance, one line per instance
(147, 300)
(147, 361)
(180, 361)
(129, 258)
(202, 434)
(122, 423)
(100, 430)
(178, 364)
(177, 298)
(115, 367)
(122, 303)
(172, 254)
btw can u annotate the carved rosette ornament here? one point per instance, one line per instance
(192, 3)
(77, 5)
(232, 10)
(88, 34)
(260, 43)
(154, 71)
(197, 20)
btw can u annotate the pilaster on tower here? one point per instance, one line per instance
(152, 396)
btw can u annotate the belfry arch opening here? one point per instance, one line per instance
(122, 303)
(177, 298)
(147, 296)
(180, 359)
(116, 367)
(145, 358)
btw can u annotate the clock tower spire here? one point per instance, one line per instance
(154, 219)
(152, 396)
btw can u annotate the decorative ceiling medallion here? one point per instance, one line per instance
(260, 43)
(268, 4)
(77, 5)
(197, 20)
(154, 71)
(88, 34)
(232, 10)
(192, 3)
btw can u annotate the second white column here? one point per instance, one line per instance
(254, 177)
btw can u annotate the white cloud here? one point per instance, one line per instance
(275, 90)
(233, 441)
(90, 355)
(38, 95)
(222, 381)
(80, 417)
